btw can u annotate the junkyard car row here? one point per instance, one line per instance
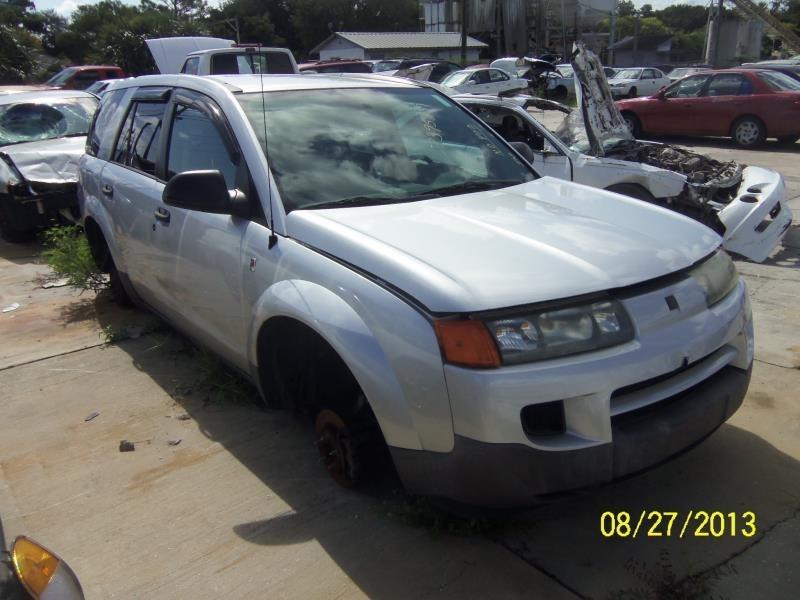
(433, 274)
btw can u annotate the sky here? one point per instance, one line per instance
(65, 7)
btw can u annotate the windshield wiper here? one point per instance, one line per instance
(357, 201)
(467, 187)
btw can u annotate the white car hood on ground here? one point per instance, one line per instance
(48, 161)
(543, 240)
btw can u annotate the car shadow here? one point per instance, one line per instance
(733, 471)
(20, 253)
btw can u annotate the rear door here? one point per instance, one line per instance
(132, 184)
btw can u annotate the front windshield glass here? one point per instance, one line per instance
(456, 78)
(45, 120)
(780, 82)
(62, 76)
(340, 147)
(677, 73)
(628, 74)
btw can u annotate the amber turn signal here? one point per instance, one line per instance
(37, 569)
(467, 343)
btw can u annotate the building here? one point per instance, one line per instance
(647, 50)
(520, 27)
(366, 46)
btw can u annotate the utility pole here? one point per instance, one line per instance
(564, 50)
(713, 35)
(612, 33)
(464, 33)
(715, 64)
(636, 39)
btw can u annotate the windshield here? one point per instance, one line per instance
(628, 74)
(62, 76)
(456, 78)
(779, 82)
(339, 147)
(678, 73)
(45, 120)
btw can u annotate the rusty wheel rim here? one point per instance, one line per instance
(333, 452)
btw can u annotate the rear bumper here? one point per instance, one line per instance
(515, 475)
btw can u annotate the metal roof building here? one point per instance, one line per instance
(412, 44)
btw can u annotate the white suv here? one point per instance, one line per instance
(369, 252)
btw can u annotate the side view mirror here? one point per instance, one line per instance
(470, 82)
(42, 573)
(204, 191)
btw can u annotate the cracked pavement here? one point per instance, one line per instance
(241, 508)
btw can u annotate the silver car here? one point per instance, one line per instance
(370, 253)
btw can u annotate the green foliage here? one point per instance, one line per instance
(625, 8)
(69, 256)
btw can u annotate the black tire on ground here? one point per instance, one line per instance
(748, 132)
(118, 292)
(633, 93)
(788, 139)
(632, 190)
(560, 92)
(633, 123)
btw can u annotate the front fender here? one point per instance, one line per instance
(391, 359)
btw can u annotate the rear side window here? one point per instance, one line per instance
(190, 66)
(729, 84)
(195, 144)
(101, 135)
(140, 138)
(279, 62)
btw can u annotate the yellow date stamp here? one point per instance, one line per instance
(679, 524)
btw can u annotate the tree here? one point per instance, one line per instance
(625, 8)
(684, 18)
(646, 10)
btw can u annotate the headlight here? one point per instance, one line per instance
(557, 332)
(717, 276)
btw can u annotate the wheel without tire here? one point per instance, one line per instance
(633, 123)
(748, 132)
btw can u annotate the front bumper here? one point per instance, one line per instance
(758, 217)
(624, 409)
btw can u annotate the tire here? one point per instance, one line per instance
(560, 92)
(633, 123)
(788, 139)
(633, 93)
(118, 292)
(748, 132)
(632, 191)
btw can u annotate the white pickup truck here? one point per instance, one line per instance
(369, 252)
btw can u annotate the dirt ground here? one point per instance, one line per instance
(222, 499)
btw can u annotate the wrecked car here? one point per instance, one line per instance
(42, 137)
(388, 265)
(745, 205)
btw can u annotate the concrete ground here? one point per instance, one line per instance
(222, 499)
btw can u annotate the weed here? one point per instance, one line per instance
(111, 334)
(222, 383)
(419, 512)
(69, 256)
(661, 582)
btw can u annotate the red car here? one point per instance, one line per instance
(79, 78)
(748, 105)
(335, 66)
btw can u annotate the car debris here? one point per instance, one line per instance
(593, 145)
(174, 442)
(126, 446)
(92, 415)
(12, 307)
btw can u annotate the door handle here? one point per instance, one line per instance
(108, 190)
(162, 214)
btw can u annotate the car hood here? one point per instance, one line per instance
(169, 54)
(543, 240)
(47, 161)
(625, 81)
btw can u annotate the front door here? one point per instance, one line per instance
(674, 113)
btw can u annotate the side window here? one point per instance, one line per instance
(112, 75)
(84, 79)
(196, 144)
(648, 74)
(482, 77)
(224, 64)
(190, 66)
(140, 138)
(689, 87)
(729, 84)
(279, 62)
(497, 75)
(102, 132)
